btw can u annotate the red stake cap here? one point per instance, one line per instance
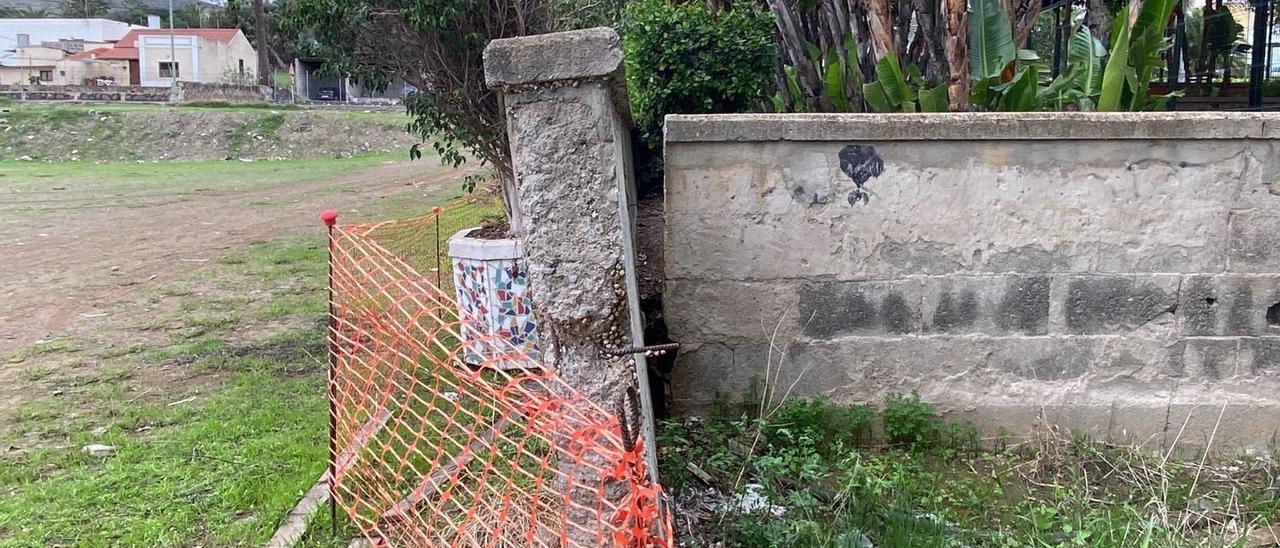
(329, 217)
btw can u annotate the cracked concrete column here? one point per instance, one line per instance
(568, 123)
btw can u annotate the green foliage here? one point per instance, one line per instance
(830, 426)
(841, 81)
(893, 92)
(909, 421)
(1053, 492)
(991, 46)
(1135, 56)
(83, 8)
(282, 80)
(682, 59)
(436, 46)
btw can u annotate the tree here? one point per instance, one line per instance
(435, 46)
(32, 12)
(82, 9)
(260, 40)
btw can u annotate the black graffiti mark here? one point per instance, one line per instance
(860, 163)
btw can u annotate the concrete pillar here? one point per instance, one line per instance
(568, 123)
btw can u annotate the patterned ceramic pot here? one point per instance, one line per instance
(493, 299)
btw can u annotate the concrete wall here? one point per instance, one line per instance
(1111, 273)
(85, 93)
(195, 91)
(187, 92)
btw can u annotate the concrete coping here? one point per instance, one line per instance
(984, 126)
(463, 246)
(546, 58)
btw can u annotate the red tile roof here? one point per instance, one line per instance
(90, 54)
(130, 40)
(120, 53)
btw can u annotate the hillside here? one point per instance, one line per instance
(129, 133)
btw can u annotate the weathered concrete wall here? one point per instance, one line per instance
(85, 93)
(233, 93)
(1112, 273)
(187, 92)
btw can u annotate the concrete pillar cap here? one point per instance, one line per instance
(545, 58)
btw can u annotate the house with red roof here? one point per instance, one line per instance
(158, 57)
(63, 63)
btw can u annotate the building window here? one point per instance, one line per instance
(242, 66)
(46, 76)
(170, 69)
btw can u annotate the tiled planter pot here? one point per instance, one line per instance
(493, 298)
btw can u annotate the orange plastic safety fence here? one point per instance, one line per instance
(431, 451)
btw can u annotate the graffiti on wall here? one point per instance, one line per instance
(861, 163)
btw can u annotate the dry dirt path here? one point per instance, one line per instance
(58, 271)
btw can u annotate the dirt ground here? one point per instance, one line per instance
(64, 272)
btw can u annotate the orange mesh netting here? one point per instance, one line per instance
(431, 449)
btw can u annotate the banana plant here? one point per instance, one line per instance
(894, 92)
(841, 81)
(1137, 41)
(1080, 84)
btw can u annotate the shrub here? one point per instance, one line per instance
(684, 59)
(909, 421)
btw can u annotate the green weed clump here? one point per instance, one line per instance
(909, 421)
(828, 480)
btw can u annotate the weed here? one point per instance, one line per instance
(909, 421)
(818, 419)
(41, 348)
(937, 486)
(36, 372)
(263, 128)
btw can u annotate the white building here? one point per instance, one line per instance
(22, 33)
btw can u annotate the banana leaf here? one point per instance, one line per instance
(889, 76)
(1118, 69)
(934, 99)
(1021, 95)
(834, 82)
(875, 96)
(1084, 55)
(991, 46)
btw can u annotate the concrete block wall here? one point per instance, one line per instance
(135, 94)
(1115, 274)
(187, 92)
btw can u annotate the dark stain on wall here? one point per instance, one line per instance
(1106, 304)
(895, 313)
(1199, 307)
(1240, 317)
(954, 313)
(831, 309)
(860, 163)
(1025, 306)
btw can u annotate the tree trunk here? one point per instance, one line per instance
(1098, 20)
(880, 19)
(956, 44)
(260, 39)
(1024, 19)
(928, 21)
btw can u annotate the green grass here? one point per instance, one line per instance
(25, 109)
(35, 188)
(220, 470)
(244, 337)
(223, 105)
(929, 483)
